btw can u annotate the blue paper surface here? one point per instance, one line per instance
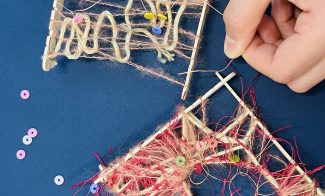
(85, 106)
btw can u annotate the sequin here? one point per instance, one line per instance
(156, 30)
(180, 161)
(25, 94)
(20, 154)
(58, 180)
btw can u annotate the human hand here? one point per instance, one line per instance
(288, 46)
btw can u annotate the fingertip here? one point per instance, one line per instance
(298, 89)
(232, 48)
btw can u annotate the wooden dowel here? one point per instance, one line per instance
(222, 137)
(195, 49)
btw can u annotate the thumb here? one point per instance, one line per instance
(241, 19)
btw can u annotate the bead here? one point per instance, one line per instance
(156, 30)
(32, 132)
(78, 19)
(58, 180)
(27, 140)
(212, 143)
(24, 94)
(161, 17)
(180, 161)
(234, 158)
(149, 15)
(94, 188)
(20, 154)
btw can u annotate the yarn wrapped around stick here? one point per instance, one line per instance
(111, 31)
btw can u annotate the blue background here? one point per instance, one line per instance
(86, 106)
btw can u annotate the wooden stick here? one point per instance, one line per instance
(209, 93)
(195, 49)
(48, 63)
(265, 130)
(198, 123)
(223, 138)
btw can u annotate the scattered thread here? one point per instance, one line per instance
(167, 162)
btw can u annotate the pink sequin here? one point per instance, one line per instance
(78, 19)
(24, 94)
(20, 154)
(32, 132)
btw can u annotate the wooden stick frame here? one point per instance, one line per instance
(51, 40)
(222, 136)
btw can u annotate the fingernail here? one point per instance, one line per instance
(231, 46)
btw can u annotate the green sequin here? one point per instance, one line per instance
(180, 161)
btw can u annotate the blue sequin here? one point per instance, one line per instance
(94, 188)
(156, 30)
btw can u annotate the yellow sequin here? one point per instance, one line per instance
(161, 17)
(234, 158)
(149, 15)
